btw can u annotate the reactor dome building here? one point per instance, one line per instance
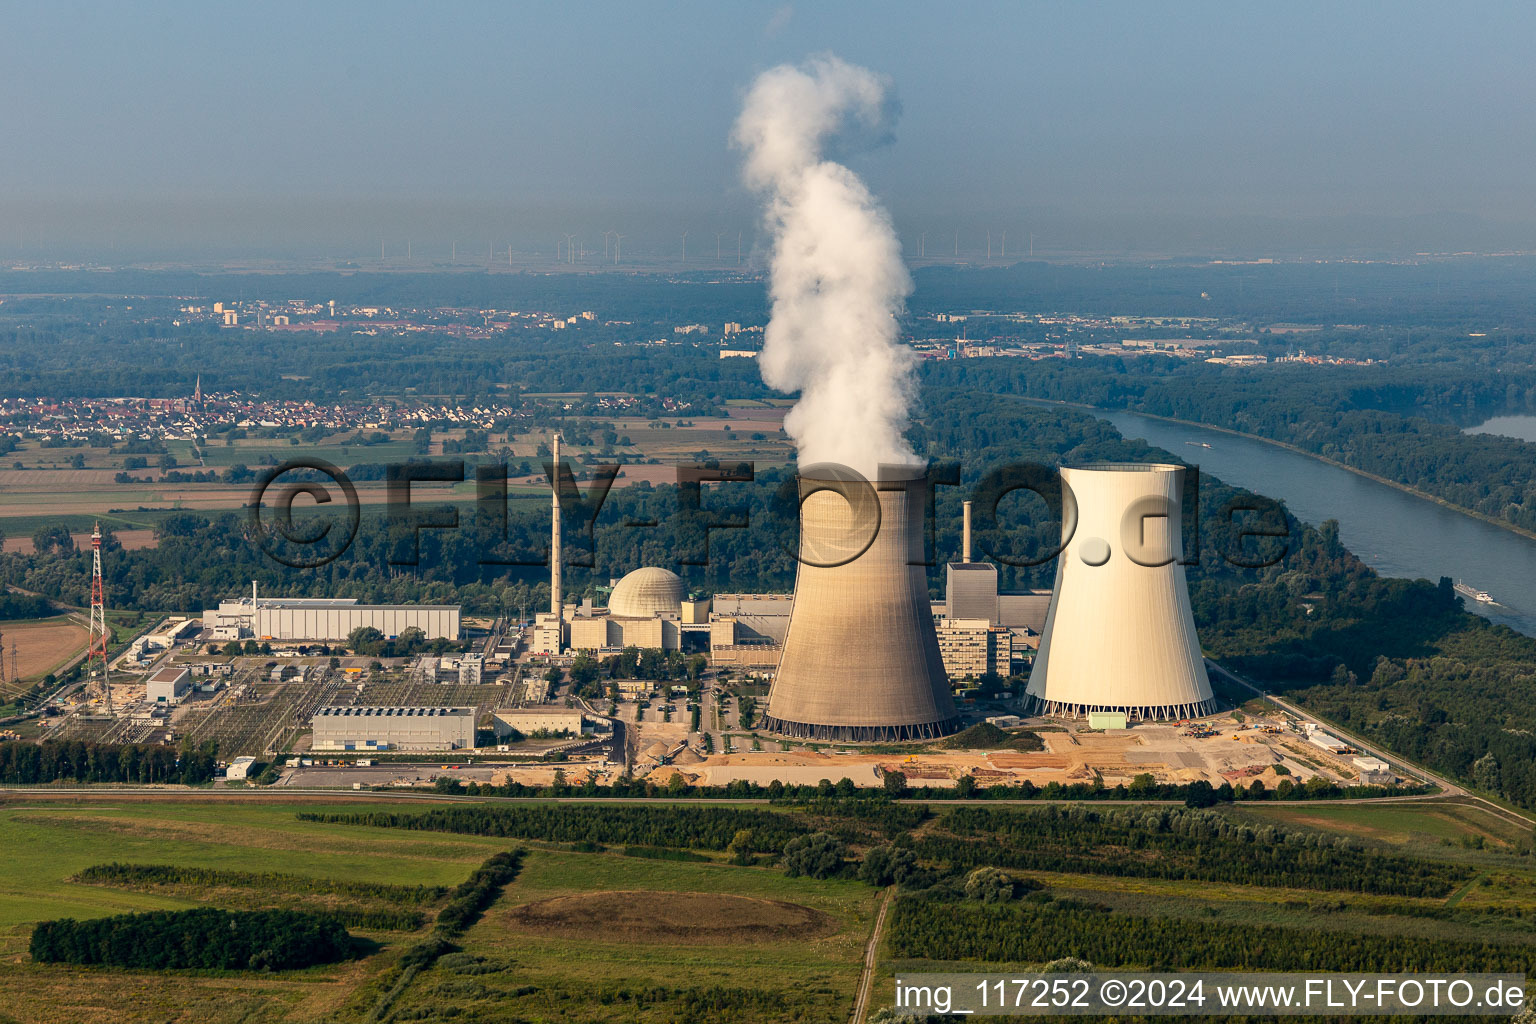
(1119, 635)
(861, 660)
(647, 592)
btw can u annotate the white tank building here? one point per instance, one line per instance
(1119, 635)
(861, 661)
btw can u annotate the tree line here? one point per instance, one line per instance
(707, 828)
(1039, 929)
(26, 763)
(1188, 844)
(203, 938)
(269, 881)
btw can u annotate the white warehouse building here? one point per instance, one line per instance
(359, 727)
(315, 618)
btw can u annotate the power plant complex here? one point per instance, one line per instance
(860, 653)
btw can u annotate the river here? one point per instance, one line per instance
(1394, 533)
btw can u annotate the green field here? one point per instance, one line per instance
(600, 936)
(47, 843)
(1404, 824)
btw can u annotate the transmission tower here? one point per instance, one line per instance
(100, 634)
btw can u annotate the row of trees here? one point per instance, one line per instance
(26, 763)
(1036, 930)
(1177, 843)
(267, 881)
(690, 827)
(204, 938)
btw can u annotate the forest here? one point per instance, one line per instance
(1402, 424)
(1176, 843)
(1040, 928)
(26, 763)
(203, 938)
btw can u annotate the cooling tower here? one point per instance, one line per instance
(861, 661)
(1120, 635)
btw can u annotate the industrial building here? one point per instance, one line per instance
(393, 728)
(983, 630)
(324, 619)
(168, 685)
(972, 648)
(861, 660)
(1120, 635)
(537, 721)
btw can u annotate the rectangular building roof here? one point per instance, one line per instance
(378, 711)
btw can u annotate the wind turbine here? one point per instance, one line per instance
(718, 235)
(685, 247)
(570, 250)
(605, 243)
(1005, 243)
(738, 247)
(922, 245)
(618, 244)
(957, 243)
(989, 244)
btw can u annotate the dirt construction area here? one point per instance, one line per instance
(1218, 750)
(687, 918)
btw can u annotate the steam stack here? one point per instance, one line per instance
(861, 661)
(965, 545)
(1120, 635)
(555, 556)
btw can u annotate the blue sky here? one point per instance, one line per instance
(1202, 122)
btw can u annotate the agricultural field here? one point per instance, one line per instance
(39, 486)
(42, 646)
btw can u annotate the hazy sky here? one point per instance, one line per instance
(1089, 123)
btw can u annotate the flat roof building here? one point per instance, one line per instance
(365, 727)
(168, 685)
(535, 721)
(324, 618)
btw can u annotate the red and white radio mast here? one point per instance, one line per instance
(100, 635)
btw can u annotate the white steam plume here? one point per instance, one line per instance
(837, 280)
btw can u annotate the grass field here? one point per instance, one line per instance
(1402, 823)
(525, 972)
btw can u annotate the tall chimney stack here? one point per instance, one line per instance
(555, 606)
(965, 547)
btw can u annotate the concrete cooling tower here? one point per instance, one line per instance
(1120, 635)
(861, 660)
